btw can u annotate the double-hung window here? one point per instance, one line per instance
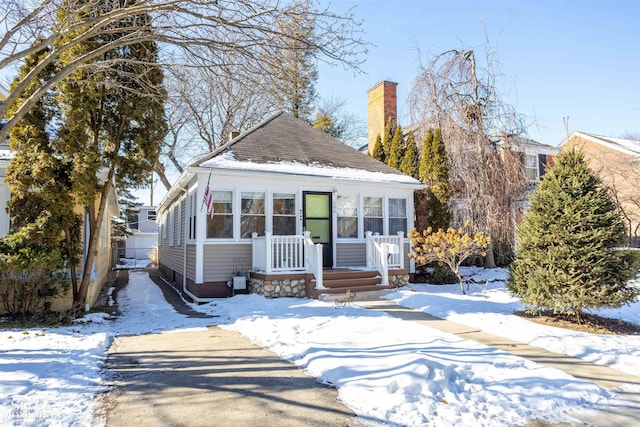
(531, 167)
(373, 215)
(284, 214)
(347, 216)
(220, 224)
(252, 215)
(397, 216)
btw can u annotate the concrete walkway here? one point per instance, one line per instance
(210, 377)
(214, 377)
(603, 376)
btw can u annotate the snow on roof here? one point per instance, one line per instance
(227, 161)
(629, 146)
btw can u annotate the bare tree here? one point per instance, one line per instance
(194, 32)
(461, 97)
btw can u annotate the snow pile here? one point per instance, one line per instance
(389, 371)
(392, 371)
(492, 309)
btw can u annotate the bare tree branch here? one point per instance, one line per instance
(209, 34)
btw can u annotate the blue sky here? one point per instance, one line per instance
(578, 58)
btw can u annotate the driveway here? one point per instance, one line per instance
(212, 377)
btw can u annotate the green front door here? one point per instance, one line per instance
(317, 220)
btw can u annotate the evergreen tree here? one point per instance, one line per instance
(434, 171)
(327, 124)
(378, 150)
(397, 149)
(424, 171)
(410, 164)
(41, 205)
(108, 131)
(566, 246)
(296, 74)
(389, 130)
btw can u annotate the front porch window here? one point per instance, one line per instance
(284, 214)
(373, 214)
(347, 216)
(397, 215)
(220, 224)
(252, 216)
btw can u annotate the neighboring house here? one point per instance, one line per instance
(536, 156)
(277, 191)
(144, 237)
(617, 161)
(102, 262)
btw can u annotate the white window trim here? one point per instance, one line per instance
(359, 217)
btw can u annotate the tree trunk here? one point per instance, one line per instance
(489, 259)
(159, 170)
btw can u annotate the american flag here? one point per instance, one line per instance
(208, 198)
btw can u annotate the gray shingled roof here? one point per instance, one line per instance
(283, 138)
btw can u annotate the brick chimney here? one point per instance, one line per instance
(382, 104)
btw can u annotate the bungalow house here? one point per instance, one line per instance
(284, 210)
(617, 161)
(102, 262)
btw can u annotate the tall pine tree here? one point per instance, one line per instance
(567, 259)
(410, 164)
(434, 171)
(396, 151)
(424, 171)
(41, 205)
(108, 130)
(296, 75)
(378, 150)
(389, 129)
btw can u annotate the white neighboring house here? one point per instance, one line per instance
(144, 237)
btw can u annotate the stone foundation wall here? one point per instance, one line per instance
(398, 280)
(278, 288)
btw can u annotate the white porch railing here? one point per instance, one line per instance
(384, 252)
(313, 259)
(273, 254)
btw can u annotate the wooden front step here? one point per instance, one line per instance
(353, 282)
(348, 274)
(340, 281)
(352, 290)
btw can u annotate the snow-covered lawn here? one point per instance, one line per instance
(386, 369)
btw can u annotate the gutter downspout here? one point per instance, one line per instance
(184, 261)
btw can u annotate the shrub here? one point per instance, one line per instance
(29, 276)
(451, 247)
(567, 247)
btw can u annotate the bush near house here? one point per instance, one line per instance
(450, 248)
(30, 276)
(568, 258)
